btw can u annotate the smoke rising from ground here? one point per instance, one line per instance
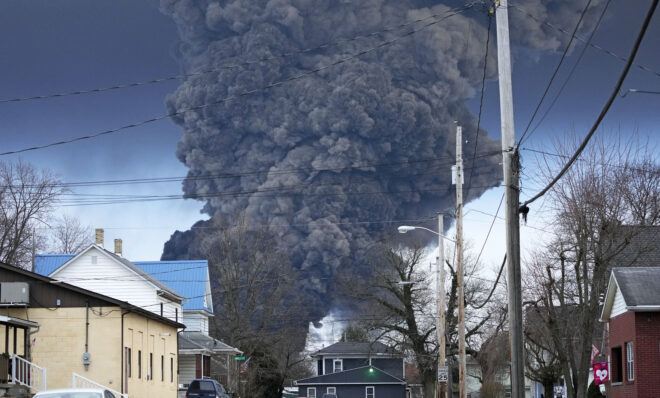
(377, 122)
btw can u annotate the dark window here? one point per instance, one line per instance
(617, 365)
(162, 368)
(630, 361)
(201, 386)
(151, 366)
(139, 364)
(129, 362)
(171, 370)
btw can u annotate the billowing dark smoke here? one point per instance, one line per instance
(381, 127)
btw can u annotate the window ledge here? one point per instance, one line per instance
(619, 383)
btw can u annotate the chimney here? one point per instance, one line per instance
(99, 236)
(118, 247)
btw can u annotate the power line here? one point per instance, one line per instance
(242, 94)
(620, 166)
(597, 47)
(554, 74)
(86, 197)
(280, 194)
(481, 100)
(231, 66)
(244, 173)
(573, 69)
(605, 109)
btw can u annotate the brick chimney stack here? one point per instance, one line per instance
(99, 236)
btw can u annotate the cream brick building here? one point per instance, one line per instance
(131, 350)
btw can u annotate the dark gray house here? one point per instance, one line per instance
(356, 370)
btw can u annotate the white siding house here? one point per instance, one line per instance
(101, 271)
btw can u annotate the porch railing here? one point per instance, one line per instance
(78, 381)
(26, 373)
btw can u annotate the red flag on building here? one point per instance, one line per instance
(601, 374)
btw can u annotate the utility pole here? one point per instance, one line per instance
(511, 176)
(440, 319)
(459, 263)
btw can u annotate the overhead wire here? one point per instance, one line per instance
(481, 100)
(605, 109)
(554, 74)
(597, 47)
(573, 69)
(243, 93)
(230, 66)
(236, 174)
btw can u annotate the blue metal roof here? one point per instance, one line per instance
(45, 264)
(186, 277)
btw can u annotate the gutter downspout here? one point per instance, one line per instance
(86, 327)
(122, 356)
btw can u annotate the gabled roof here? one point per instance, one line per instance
(357, 348)
(188, 277)
(89, 293)
(639, 286)
(116, 258)
(360, 375)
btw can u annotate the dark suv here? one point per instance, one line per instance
(206, 388)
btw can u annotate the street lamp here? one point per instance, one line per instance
(440, 280)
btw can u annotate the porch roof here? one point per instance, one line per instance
(8, 320)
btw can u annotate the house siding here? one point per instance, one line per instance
(357, 390)
(187, 367)
(196, 322)
(128, 285)
(619, 304)
(393, 366)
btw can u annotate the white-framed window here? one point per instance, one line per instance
(337, 365)
(369, 392)
(332, 390)
(311, 392)
(630, 361)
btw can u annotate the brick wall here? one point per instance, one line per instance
(622, 330)
(643, 329)
(647, 354)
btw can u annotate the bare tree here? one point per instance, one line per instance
(27, 196)
(594, 206)
(400, 304)
(69, 236)
(256, 302)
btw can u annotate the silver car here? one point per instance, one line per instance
(76, 393)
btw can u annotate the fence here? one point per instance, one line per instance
(78, 381)
(26, 373)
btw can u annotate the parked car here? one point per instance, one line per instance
(76, 393)
(206, 388)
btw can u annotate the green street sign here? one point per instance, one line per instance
(239, 358)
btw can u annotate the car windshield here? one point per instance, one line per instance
(202, 386)
(80, 394)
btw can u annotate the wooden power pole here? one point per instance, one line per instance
(441, 322)
(511, 186)
(459, 264)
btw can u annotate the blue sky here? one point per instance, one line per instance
(51, 47)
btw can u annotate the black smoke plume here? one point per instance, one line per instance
(331, 160)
